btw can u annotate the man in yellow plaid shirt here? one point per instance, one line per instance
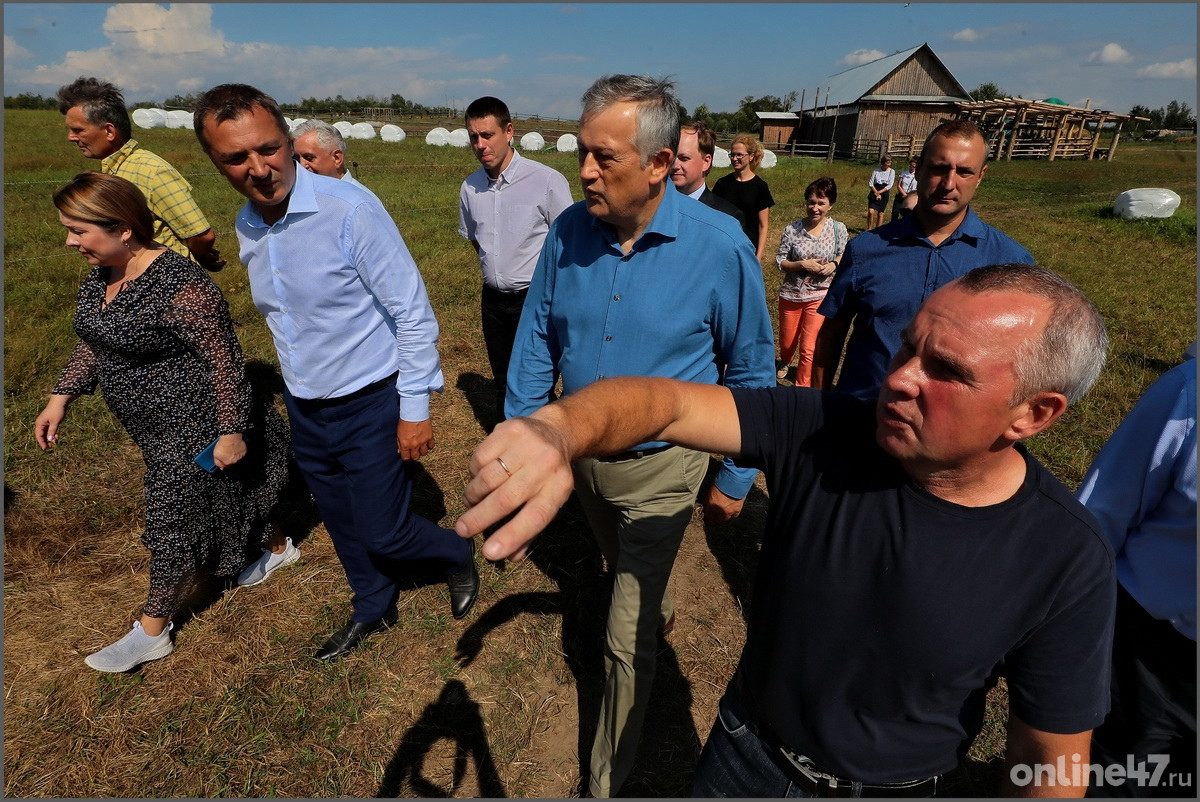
(98, 123)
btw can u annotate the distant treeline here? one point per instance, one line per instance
(1175, 115)
(741, 120)
(329, 105)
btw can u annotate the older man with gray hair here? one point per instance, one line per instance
(914, 550)
(321, 149)
(637, 280)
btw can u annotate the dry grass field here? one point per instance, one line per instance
(505, 702)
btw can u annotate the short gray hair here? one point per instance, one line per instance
(1069, 355)
(330, 138)
(657, 114)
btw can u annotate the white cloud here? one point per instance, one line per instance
(965, 35)
(180, 28)
(1111, 53)
(1170, 69)
(861, 56)
(155, 51)
(13, 51)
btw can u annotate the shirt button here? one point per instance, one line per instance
(608, 339)
(616, 297)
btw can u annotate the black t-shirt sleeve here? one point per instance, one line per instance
(768, 414)
(1058, 676)
(765, 200)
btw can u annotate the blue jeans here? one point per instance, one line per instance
(736, 762)
(347, 454)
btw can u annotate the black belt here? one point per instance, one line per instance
(636, 454)
(373, 387)
(801, 770)
(490, 290)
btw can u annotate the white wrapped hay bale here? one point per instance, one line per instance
(769, 159)
(344, 128)
(567, 143)
(459, 138)
(533, 141)
(178, 118)
(392, 133)
(150, 118)
(438, 136)
(721, 157)
(1146, 202)
(362, 131)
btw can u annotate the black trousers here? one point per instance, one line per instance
(1153, 704)
(500, 313)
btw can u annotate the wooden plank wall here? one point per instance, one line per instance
(919, 76)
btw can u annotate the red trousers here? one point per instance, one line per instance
(799, 323)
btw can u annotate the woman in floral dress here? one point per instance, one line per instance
(156, 337)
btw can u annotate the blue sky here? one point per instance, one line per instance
(540, 57)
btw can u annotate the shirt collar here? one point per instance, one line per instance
(971, 227)
(114, 160)
(507, 174)
(302, 200)
(664, 224)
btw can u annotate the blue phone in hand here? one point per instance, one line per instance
(205, 458)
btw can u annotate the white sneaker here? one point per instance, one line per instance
(264, 566)
(132, 650)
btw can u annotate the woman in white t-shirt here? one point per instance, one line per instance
(882, 180)
(906, 191)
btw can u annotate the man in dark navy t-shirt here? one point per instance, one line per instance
(914, 551)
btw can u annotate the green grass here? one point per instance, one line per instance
(240, 709)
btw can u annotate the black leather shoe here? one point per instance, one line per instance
(464, 587)
(348, 637)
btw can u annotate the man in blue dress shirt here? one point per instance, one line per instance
(357, 346)
(887, 272)
(1142, 489)
(638, 279)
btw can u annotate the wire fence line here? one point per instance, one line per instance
(217, 231)
(190, 176)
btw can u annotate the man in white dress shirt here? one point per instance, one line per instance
(505, 210)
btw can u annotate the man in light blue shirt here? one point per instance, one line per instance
(357, 346)
(321, 149)
(505, 209)
(639, 280)
(1142, 489)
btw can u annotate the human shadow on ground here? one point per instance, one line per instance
(295, 512)
(567, 555)
(453, 717)
(480, 392)
(735, 544)
(1140, 360)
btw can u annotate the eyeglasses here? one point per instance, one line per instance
(738, 155)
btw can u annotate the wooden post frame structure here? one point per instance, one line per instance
(1037, 129)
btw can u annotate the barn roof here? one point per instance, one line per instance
(851, 86)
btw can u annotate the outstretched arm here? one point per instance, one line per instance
(525, 464)
(1027, 748)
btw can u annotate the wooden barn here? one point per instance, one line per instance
(777, 127)
(890, 104)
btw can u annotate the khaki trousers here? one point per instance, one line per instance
(638, 510)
